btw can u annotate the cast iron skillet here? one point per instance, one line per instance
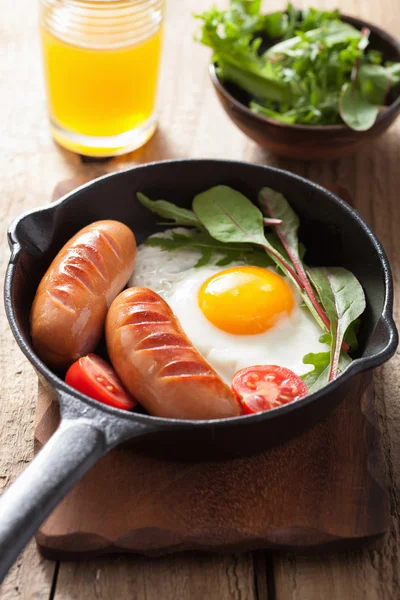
(334, 234)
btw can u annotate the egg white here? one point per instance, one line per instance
(173, 275)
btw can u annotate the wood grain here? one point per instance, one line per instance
(370, 575)
(373, 180)
(336, 497)
(189, 577)
(29, 170)
(191, 124)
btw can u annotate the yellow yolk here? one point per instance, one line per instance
(245, 300)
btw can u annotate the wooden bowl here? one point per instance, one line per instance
(309, 142)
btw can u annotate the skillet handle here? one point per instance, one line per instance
(68, 455)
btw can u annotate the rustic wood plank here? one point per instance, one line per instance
(372, 178)
(181, 577)
(263, 575)
(245, 504)
(25, 149)
(31, 165)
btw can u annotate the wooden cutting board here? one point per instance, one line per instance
(323, 490)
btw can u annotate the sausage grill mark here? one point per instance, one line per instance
(82, 263)
(111, 243)
(92, 256)
(143, 317)
(79, 273)
(186, 368)
(160, 340)
(146, 311)
(62, 298)
(145, 297)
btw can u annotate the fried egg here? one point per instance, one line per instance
(237, 316)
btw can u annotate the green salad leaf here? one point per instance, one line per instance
(211, 250)
(355, 111)
(229, 216)
(319, 376)
(274, 204)
(167, 210)
(375, 83)
(257, 84)
(343, 298)
(394, 73)
(351, 335)
(228, 227)
(297, 66)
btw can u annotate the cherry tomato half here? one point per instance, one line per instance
(92, 376)
(261, 388)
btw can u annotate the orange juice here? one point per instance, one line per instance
(101, 99)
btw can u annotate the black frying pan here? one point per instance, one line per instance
(333, 233)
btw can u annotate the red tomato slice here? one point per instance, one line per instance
(261, 388)
(94, 377)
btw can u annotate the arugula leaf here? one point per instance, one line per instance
(343, 299)
(325, 338)
(167, 210)
(211, 249)
(319, 376)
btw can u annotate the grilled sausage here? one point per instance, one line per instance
(71, 302)
(159, 365)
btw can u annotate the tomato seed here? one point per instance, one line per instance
(251, 385)
(295, 389)
(100, 379)
(110, 388)
(269, 378)
(254, 376)
(285, 397)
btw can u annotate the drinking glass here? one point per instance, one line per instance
(101, 63)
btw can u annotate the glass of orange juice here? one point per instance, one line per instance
(101, 63)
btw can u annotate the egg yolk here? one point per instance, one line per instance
(245, 300)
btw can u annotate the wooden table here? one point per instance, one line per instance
(192, 124)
